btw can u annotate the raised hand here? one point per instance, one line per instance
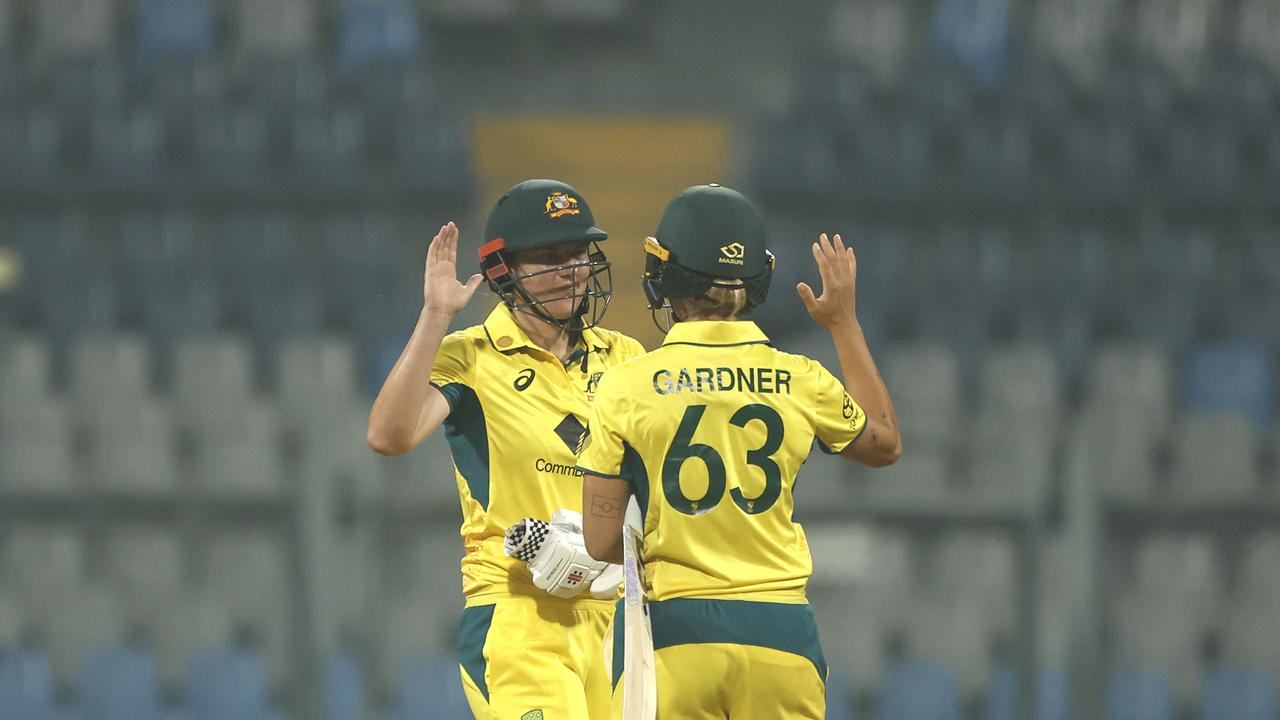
(441, 291)
(838, 269)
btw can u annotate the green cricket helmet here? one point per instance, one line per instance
(709, 235)
(537, 214)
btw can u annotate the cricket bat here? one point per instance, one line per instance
(640, 678)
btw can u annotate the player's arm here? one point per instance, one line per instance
(880, 443)
(408, 407)
(604, 503)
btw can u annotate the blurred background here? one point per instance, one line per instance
(213, 219)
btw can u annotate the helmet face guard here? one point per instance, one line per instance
(664, 280)
(590, 304)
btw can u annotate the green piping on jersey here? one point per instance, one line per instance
(698, 344)
(473, 631)
(468, 440)
(688, 621)
(633, 471)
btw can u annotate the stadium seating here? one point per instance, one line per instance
(1233, 377)
(377, 31)
(1139, 695)
(1239, 695)
(919, 690)
(119, 684)
(1053, 695)
(166, 29)
(227, 683)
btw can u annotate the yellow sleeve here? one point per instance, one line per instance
(454, 367)
(837, 419)
(601, 450)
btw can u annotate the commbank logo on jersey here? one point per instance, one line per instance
(732, 254)
(559, 204)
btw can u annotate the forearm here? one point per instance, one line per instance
(863, 382)
(395, 422)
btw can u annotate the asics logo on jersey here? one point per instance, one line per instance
(559, 205)
(524, 379)
(732, 254)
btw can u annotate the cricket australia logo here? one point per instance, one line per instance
(559, 204)
(532, 715)
(594, 382)
(732, 254)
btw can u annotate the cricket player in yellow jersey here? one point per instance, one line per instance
(708, 433)
(513, 395)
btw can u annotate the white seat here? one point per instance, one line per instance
(147, 567)
(70, 28)
(89, 617)
(276, 28)
(42, 563)
(953, 632)
(256, 560)
(213, 384)
(1229, 473)
(423, 478)
(1133, 379)
(241, 468)
(1159, 632)
(925, 383)
(315, 375)
(110, 378)
(1251, 635)
(1117, 453)
(1074, 33)
(1177, 32)
(1022, 381)
(37, 466)
(472, 11)
(1181, 565)
(1257, 27)
(1258, 568)
(10, 622)
(193, 621)
(24, 369)
(919, 481)
(874, 31)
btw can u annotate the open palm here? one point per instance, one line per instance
(838, 269)
(441, 291)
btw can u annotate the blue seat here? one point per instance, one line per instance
(841, 703)
(1139, 695)
(1231, 378)
(120, 684)
(346, 687)
(976, 33)
(1239, 694)
(1053, 695)
(377, 31)
(227, 683)
(27, 688)
(918, 690)
(430, 687)
(173, 29)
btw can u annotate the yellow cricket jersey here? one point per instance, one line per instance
(516, 416)
(710, 430)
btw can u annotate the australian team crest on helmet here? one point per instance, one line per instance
(560, 204)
